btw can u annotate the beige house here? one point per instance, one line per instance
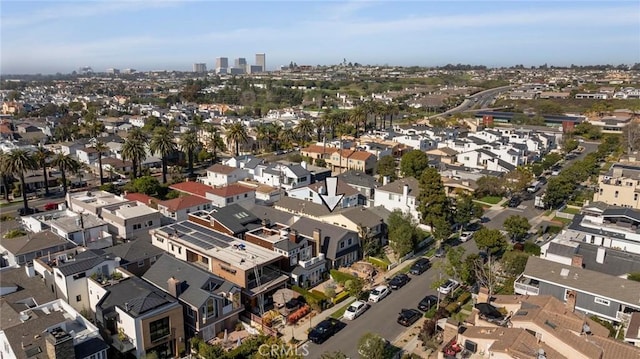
(317, 152)
(445, 154)
(620, 186)
(131, 220)
(344, 160)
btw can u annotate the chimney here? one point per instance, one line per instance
(59, 344)
(266, 223)
(576, 261)
(317, 237)
(385, 180)
(293, 236)
(571, 300)
(405, 191)
(174, 286)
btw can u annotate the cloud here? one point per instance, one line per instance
(81, 10)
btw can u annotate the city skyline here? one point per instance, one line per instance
(139, 34)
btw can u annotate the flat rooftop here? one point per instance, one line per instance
(130, 210)
(99, 198)
(72, 223)
(225, 248)
(272, 235)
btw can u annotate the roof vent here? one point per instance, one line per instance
(564, 273)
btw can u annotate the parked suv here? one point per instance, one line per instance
(324, 330)
(420, 266)
(399, 281)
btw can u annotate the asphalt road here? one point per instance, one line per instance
(381, 317)
(527, 208)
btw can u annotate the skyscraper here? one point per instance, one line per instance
(261, 60)
(222, 63)
(200, 68)
(240, 63)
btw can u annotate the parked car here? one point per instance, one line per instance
(465, 236)
(399, 281)
(50, 206)
(420, 266)
(448, 287)
(378, 293)
(21, 211)
(441, 252)
(324, 330)
(514, 202)
(542, 179)
(408, 317)
(428, 302)
(355, 310)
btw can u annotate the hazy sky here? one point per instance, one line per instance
(57, 36)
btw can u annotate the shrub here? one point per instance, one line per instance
(14, 233)
(634, 276)
(340, 297)
(452, 307)
(532, 248)
(319, 295)
(341, 277)
(430, 313)
(5, 217)
(380, 264)
(464, 297)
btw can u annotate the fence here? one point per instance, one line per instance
(256, 321)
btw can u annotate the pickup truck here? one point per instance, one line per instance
(538, 202)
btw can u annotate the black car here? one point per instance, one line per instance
(29, 211)
(542, 180)
(420, 266)
(427, 303)
(408, 317)
(324, 330)
(399, 281)
(514, 202)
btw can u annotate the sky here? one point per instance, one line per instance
(56, 36)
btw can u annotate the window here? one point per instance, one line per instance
(341, 245)
(246, 195)
(79, 275)
(190, 312)
(602, 301)
(78, 298)
(350, 241)
(566, 294)
(211, 308)
(159, 329)
(140, 264)
(615, 194)
(137, 226)
(635, 196)
(150, 223)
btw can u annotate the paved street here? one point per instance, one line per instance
(381, 317)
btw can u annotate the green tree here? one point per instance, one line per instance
(5, 175)
(358, 116)
(236, 134)
(334, 355)
(518, 180)
(151, 123)
(413, 163)
(101, 148)
(372, 346)
(635, 276)
(189, 144)
(162, 143)
(569, 144)
(550, 159)
(134, 149)
(41, 156)
(517, 227)
(146, 184)
(490, 239)
(432, 200)
(401, 232)
(559, 189)
(305, 129)
(66, 164)
(286, 138)
(440, 229)
(490, 186)
(17, 163)
(214, 141)
(354, 287)
(455, 265)
(91, 126)
(386, 166)
(466, 210)
(514, 262)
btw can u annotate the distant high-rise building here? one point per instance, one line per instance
(240, 63)
(86, 70)
(222, 63)
(200, 68)
(113, 71)
(237, 70)
(254, 69)
(261, 60)
(128, 71)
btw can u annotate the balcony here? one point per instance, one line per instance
(122, 343)
(311, 262)
(227, 309)
(526, 286)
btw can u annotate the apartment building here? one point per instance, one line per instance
(138, 319)
(130, 220)
(620, 185)
(92, 201)
(344, 160)
(211, 304)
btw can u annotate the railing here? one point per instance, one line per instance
(521, 288)
(227, 309)
(623, 317)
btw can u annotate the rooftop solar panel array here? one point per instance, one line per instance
(197, 235)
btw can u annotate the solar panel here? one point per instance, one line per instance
(193, 226)
(182, 229)
(197, 242)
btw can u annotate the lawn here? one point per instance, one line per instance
(490, 199)
(571, 210)
(340, 312)
(563, 220)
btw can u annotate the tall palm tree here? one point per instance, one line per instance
(286, 138)
(66, 164)
(92, 127)
(17, 163)
(304, 129)
(134, 148)
(4, 174)
(101, 148)
(236, 133)
(357, 116)
(162, 144)
(189, 144)
(275, 131)
(262, 135)
(41, 155)
(214, 141)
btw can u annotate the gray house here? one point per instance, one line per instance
(584, 290)
(340, 246)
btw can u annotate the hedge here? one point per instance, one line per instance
(378, 263)
(319, 295)
(341, 277)
(464, 297)
(452, 307)
(340, 297)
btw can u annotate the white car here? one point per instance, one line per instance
(355, 310)
(465, 236)
(378, 293)
(448, 287)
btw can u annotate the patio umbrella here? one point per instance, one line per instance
(239, 342)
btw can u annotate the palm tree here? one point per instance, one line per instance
(236, 134)
(101, 148)
(92, 127)
(357, 116)
(134, 148)
(5, 174)
(189, 143)
(305, 129)
(214, 142)
(275, 131)
(262, 135)
(286, 138)
(17, 163)
(66, 164)
(162, 144)
(41, 155)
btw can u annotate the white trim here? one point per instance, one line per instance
(602, 301)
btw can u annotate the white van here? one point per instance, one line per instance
(534, 187)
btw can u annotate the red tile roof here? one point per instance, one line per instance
(318, 149)
(185, 202)
(360, 155)
(218, 168)
(195, 188)
(231, 190)
(139, 197)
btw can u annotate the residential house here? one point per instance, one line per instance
(233, 220)
(70, 148)
(314, 192)
(620, 185)
(344, 160)
(233, 193)
(115, 165)
(138, 319)
(24, 249)
(285, 176)
(264, 193)
(340, 246)
(51, 330)
(130, 220)
(136, 257)
(220, 175)
(92, 201)
(211, 305)
(300, 207)
(363, 183)
(417, 142)
(443, 155)
(584, 290)
(454, 187)
(400, 194)
(66, 273)
(377, 149)
(316, 152)
(177, 209)
(369, 223)
(89, 155)
(84, 229)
